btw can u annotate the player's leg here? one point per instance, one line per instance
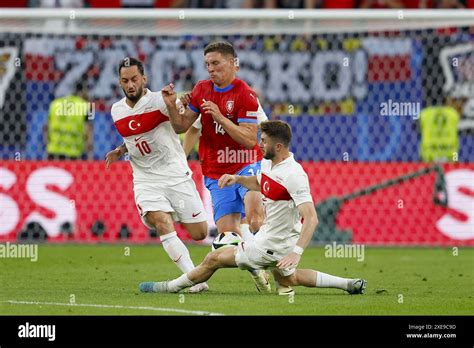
(220, 258)
(155, 211)
(315, 279)
(197, 230)
(254, 214)
(174, 247)
(252, 201)
(229, 222)
(228, 209)
(227, 206)
(189, 210)
(186, 202)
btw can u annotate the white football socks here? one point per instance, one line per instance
(180, 283)
(177, 251)
(324, 280)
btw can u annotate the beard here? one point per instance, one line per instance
(136, 97)
(269, 154)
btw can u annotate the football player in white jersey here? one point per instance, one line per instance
(282, 238)
(254, 214)
(163, 187)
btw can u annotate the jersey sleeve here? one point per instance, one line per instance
(197, 124)
(161, 103)
(195, 102)
(298, 188)
(261, 115)
(248, 110)
(113, 111)
(259, 177)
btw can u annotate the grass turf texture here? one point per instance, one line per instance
(431, 281)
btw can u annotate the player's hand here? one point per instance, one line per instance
(211, 108)
(289, 261)
(169, 95)
(226, 180)
(112, 156)
(185, 99)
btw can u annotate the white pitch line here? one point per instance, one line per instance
(184, 311)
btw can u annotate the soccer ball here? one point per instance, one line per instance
(225, 240)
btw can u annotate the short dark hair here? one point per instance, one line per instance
(277, 130)
(130, 61)
(223, 47)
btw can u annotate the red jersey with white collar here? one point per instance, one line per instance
(219, 153)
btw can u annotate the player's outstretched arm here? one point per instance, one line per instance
(179, 121)
(310, 222)
(114, 155)
(190, 139)
(249, 182)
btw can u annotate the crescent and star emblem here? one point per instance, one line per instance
(130, 125)
(266, 186)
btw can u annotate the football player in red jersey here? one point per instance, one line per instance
(228, 144)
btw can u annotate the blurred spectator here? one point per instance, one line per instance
(439, 131)
(69, 130)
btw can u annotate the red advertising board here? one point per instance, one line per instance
(403, 214)
(83, 193)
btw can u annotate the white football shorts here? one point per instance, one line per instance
(181, 200)
(249, 256)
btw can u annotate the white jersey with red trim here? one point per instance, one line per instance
(153, 146)
(283, 187)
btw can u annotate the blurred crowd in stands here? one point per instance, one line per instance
(259, 4)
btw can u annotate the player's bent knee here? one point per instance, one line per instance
(199, 236)
(197, 231)
(201, 233)
(163, 227)
(255, 223)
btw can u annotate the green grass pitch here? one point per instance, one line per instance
(102, 280)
